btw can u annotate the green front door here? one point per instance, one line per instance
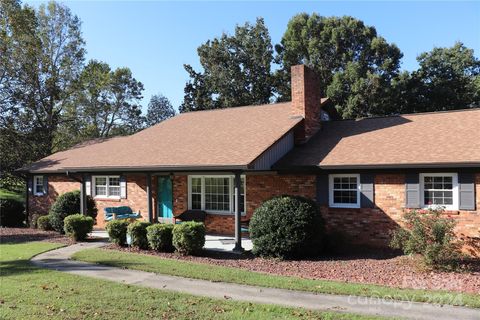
(165, 195)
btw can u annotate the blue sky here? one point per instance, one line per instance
(155, 39)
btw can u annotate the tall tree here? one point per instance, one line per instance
(447, 79)
(355, 65)
(41, 54)
(45, 55)
(236, 70)
(105, 103)
(159, 109)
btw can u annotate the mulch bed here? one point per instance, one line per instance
(18, 235)
(370, 267)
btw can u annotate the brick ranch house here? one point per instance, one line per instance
(362, 173)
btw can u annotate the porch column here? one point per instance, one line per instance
(149, 197)
(83, 196)
(238, 215)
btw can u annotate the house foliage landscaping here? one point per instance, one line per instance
(138, 234)
(78, 226)
(117, 231)
(189, 237)
(68, 204)
(160, 237)
(430, 234)
(12, 213)
(287, 227)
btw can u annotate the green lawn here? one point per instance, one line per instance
(236, 275)
(7, 194)
(27, 292)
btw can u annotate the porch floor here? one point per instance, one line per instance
(212, 242)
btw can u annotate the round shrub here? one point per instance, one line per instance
(43, 223)
(160, 236)
(77, 226)
(189, 237)
(68, 204)
(138, 234)
(12, 213)
(287, 227)
(117, 231)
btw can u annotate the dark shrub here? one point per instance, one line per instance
(12, 213)
(43, 223)
(431, 235)
(138, 233)
(117, 231)
(189, 237)
(77, 226)
(160, 237)
(68, 204)
(287, 227)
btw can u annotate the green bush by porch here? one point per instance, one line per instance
(117, 231)
(287, 227)
(138, 234)
(78, 226)
(43, 223)
(68, 204)
(160, 237)
(189, 237)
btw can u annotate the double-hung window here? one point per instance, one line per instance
(344, 190)
(38, 188)
(106, 186)
(439, 190)
(214, 194)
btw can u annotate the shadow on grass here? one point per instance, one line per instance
(15, 267)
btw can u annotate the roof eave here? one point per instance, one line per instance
(142, 169)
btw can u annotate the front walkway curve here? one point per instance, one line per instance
(59, 260)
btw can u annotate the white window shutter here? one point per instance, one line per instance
(88, 186)
(123, 187)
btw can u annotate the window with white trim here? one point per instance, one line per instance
(106, 186)
(439, 190)
(38, 188)
(214, 193)
(344, 190)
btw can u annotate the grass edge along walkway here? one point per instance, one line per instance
(187, 269)
(29, 292)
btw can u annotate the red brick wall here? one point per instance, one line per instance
(373, 226)
(259, 188)
(136, 196)
(57, 185)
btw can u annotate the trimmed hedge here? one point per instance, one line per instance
(43, 223)
(189, 237)
(12, 213)
(77, 226)
(287, 227)
(160, 237)
(117, 231)
(68, 204)
(138, 233)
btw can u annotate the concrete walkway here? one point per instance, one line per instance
(59, 260)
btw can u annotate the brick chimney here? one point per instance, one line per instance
(306, 98)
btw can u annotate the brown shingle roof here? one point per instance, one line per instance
(428, 139)
(224, 138)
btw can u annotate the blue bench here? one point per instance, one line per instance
(124, 212)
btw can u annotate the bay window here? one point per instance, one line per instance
(214, 194)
